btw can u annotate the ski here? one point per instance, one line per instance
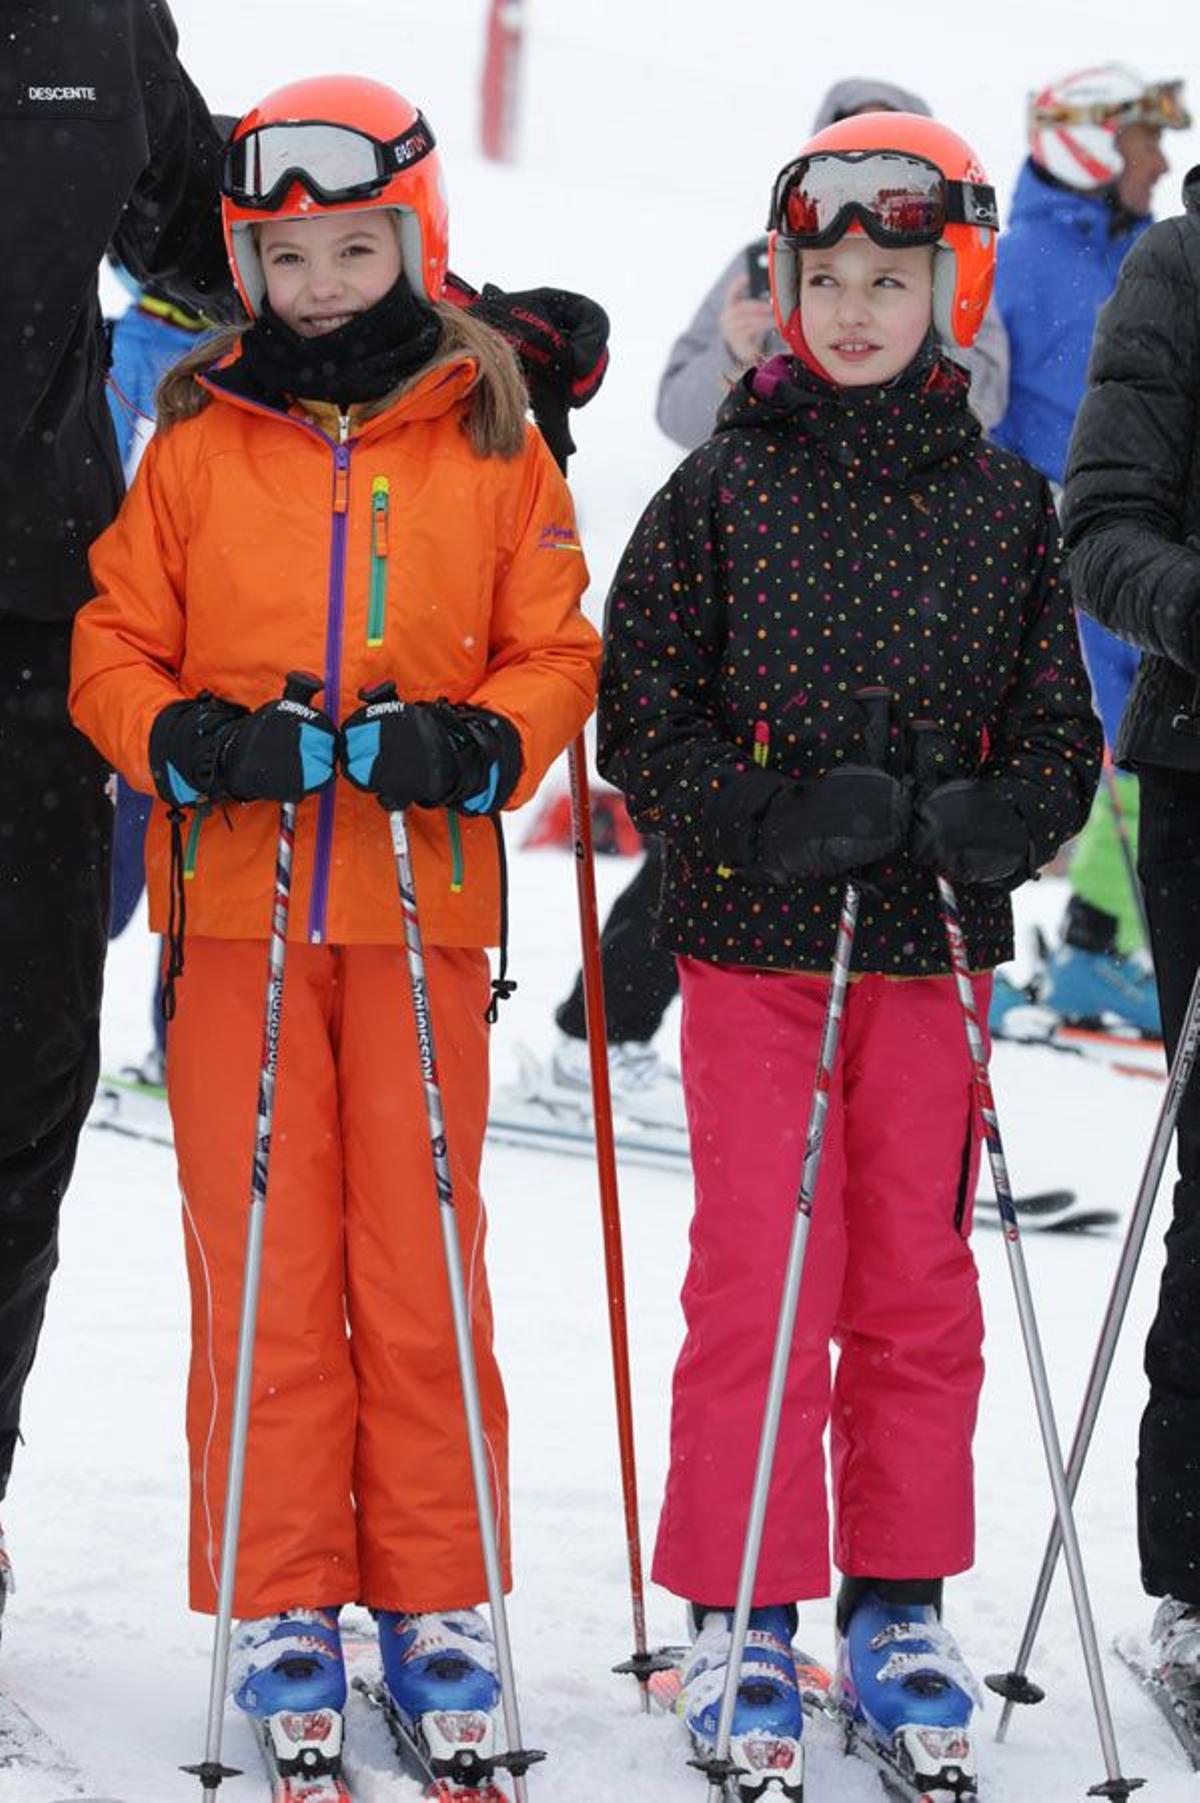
(302, 1752)
(32, 1766)
(1179, 1704)
(139, 1111)
(898, 1774)
(768, 1768)
(1125, 1052)
(1048, 1211)
(471, 1777)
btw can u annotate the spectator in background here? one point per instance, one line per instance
(103, 139)
(1082, 201)
(1132, 519)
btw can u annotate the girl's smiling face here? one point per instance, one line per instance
(865, 308)
(323, 269)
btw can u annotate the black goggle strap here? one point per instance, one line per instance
(404, 152)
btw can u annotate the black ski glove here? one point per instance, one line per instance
(214, 750)
(432, 754)
(965, 830)
(834, 825)
(561, 343)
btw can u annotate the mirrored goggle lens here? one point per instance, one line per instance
(1164, 106)
(330, 159)
(905, 198)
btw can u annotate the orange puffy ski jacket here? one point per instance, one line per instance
(252, 544)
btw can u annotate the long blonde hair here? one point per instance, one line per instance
(495, 418)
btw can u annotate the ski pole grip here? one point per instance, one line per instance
(378, 691)
(876, 704)
(931, 754)
(303, 687)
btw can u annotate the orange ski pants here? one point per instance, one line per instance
(358, 1480)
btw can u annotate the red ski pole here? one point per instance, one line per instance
(642, 1663)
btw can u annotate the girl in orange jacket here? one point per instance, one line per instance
(350, 487)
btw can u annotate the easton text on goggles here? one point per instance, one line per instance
(335, 163)
(898, 199)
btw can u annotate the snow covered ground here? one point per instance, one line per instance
(100, 1645)
(653, 131)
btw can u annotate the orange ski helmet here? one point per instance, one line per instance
(902, 179)
(337, 143)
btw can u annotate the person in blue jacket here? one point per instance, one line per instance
(1082, 199)
(153, 333)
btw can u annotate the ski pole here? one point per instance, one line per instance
(1114, 1786)
(1125, 841)
(517, 1760)
(641, 1663)
(719, 1768)
(1013, 1685)
(304, 688)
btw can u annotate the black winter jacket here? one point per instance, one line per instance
(825, 540)
(103, 140)
(1132, 500)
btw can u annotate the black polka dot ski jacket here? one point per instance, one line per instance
(824, 540)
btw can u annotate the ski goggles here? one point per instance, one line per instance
(1161, 106)
(335, 163)
(897, 198)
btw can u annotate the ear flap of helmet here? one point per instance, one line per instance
(964, 272)
(784, 272)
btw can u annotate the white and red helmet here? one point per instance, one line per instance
(1073, 123)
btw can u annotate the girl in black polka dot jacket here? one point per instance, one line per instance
(846, 527)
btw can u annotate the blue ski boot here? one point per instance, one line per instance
(1099, 987)
(286, 1672)
(440, 1672)
(908, 1698)
(768, 1721)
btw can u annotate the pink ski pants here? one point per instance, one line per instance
(889, 1278)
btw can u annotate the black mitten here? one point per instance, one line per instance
(966, 830)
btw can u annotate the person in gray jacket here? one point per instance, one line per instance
(734, 326)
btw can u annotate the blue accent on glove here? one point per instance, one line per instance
(362, 748)
(317, 749)
(481, 803)
(181, 788)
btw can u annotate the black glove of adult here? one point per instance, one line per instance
(561, 343)
(214, 750)
(834, 825)
(965, 830)
(432, 754)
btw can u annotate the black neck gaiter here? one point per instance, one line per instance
(360, 361)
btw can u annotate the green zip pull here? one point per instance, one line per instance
(456, 855)
(380, 496)
(193, 845)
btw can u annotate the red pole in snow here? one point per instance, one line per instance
(501, 80)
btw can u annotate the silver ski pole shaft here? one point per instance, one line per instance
(518, 1760)
(299, 687)
(1013, 1685)
(1115, 1785)
(719, 1768)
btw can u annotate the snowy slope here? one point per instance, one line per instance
(648, 153)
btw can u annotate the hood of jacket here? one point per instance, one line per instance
(881, 433)
(856, 94)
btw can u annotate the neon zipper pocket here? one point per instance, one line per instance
(377, 603)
